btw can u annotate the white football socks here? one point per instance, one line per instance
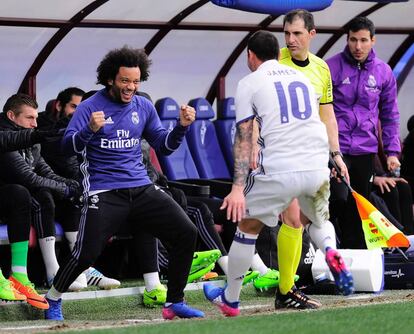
(240, 259)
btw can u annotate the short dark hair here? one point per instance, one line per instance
(16, 101)
(264, 45)
(124, 57)
(361, 23)
(65, 95)
(88, 94)
(303, 14)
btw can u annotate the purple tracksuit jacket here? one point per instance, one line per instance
(111, 158)
(363, 94)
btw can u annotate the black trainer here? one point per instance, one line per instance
(295, 299)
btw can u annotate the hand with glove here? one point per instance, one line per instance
(46, 136)
(73, 190)
(72, 182)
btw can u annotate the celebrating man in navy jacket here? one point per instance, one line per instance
(105, 132)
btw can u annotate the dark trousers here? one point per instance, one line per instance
(46, 208)
(343, 206)
(400, 204)
(15, 211)
(200, 215)
(145, 209)
(67, 214)
(203, 219)
(219, 216)
(43, 213)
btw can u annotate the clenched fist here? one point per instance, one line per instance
(187, 115)
(97, 120)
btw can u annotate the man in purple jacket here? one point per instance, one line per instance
(365, 92)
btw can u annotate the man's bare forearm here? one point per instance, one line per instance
(327, 116)
(242, 152)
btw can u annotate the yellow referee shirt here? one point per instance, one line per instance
(316, 70)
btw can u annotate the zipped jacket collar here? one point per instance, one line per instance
(351, 60)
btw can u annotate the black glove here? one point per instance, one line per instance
(162, 180)
(73, 191)
(46, 136)
(72, 182)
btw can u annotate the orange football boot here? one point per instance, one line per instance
(9, 293)
(33, 298)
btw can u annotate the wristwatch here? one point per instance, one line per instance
(335, 153)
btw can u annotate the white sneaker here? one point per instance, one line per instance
(96, 278)
(79, 284)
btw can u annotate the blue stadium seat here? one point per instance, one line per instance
(203, 143)
(226, 129)
(4, 237)
(179, 165)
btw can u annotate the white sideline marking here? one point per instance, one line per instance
(364, 296)
(102, 293)
(24, 328)
(144, 320)
(249, 307)
(127, 291)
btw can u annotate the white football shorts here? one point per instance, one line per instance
(269, 195)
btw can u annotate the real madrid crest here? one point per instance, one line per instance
(135, 117)
(93, 201)
(371, 81)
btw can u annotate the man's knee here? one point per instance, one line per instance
(186, 230)
(191, 231)
(87, 259)
(205, 214)
(293, 221)
(19, 194)
(205, 211)
(45, 198)
(17, 190)
(251, 226)
(291, 216)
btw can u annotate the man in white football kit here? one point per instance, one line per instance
(293, 163)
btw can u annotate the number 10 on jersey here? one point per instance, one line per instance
(297, 96)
